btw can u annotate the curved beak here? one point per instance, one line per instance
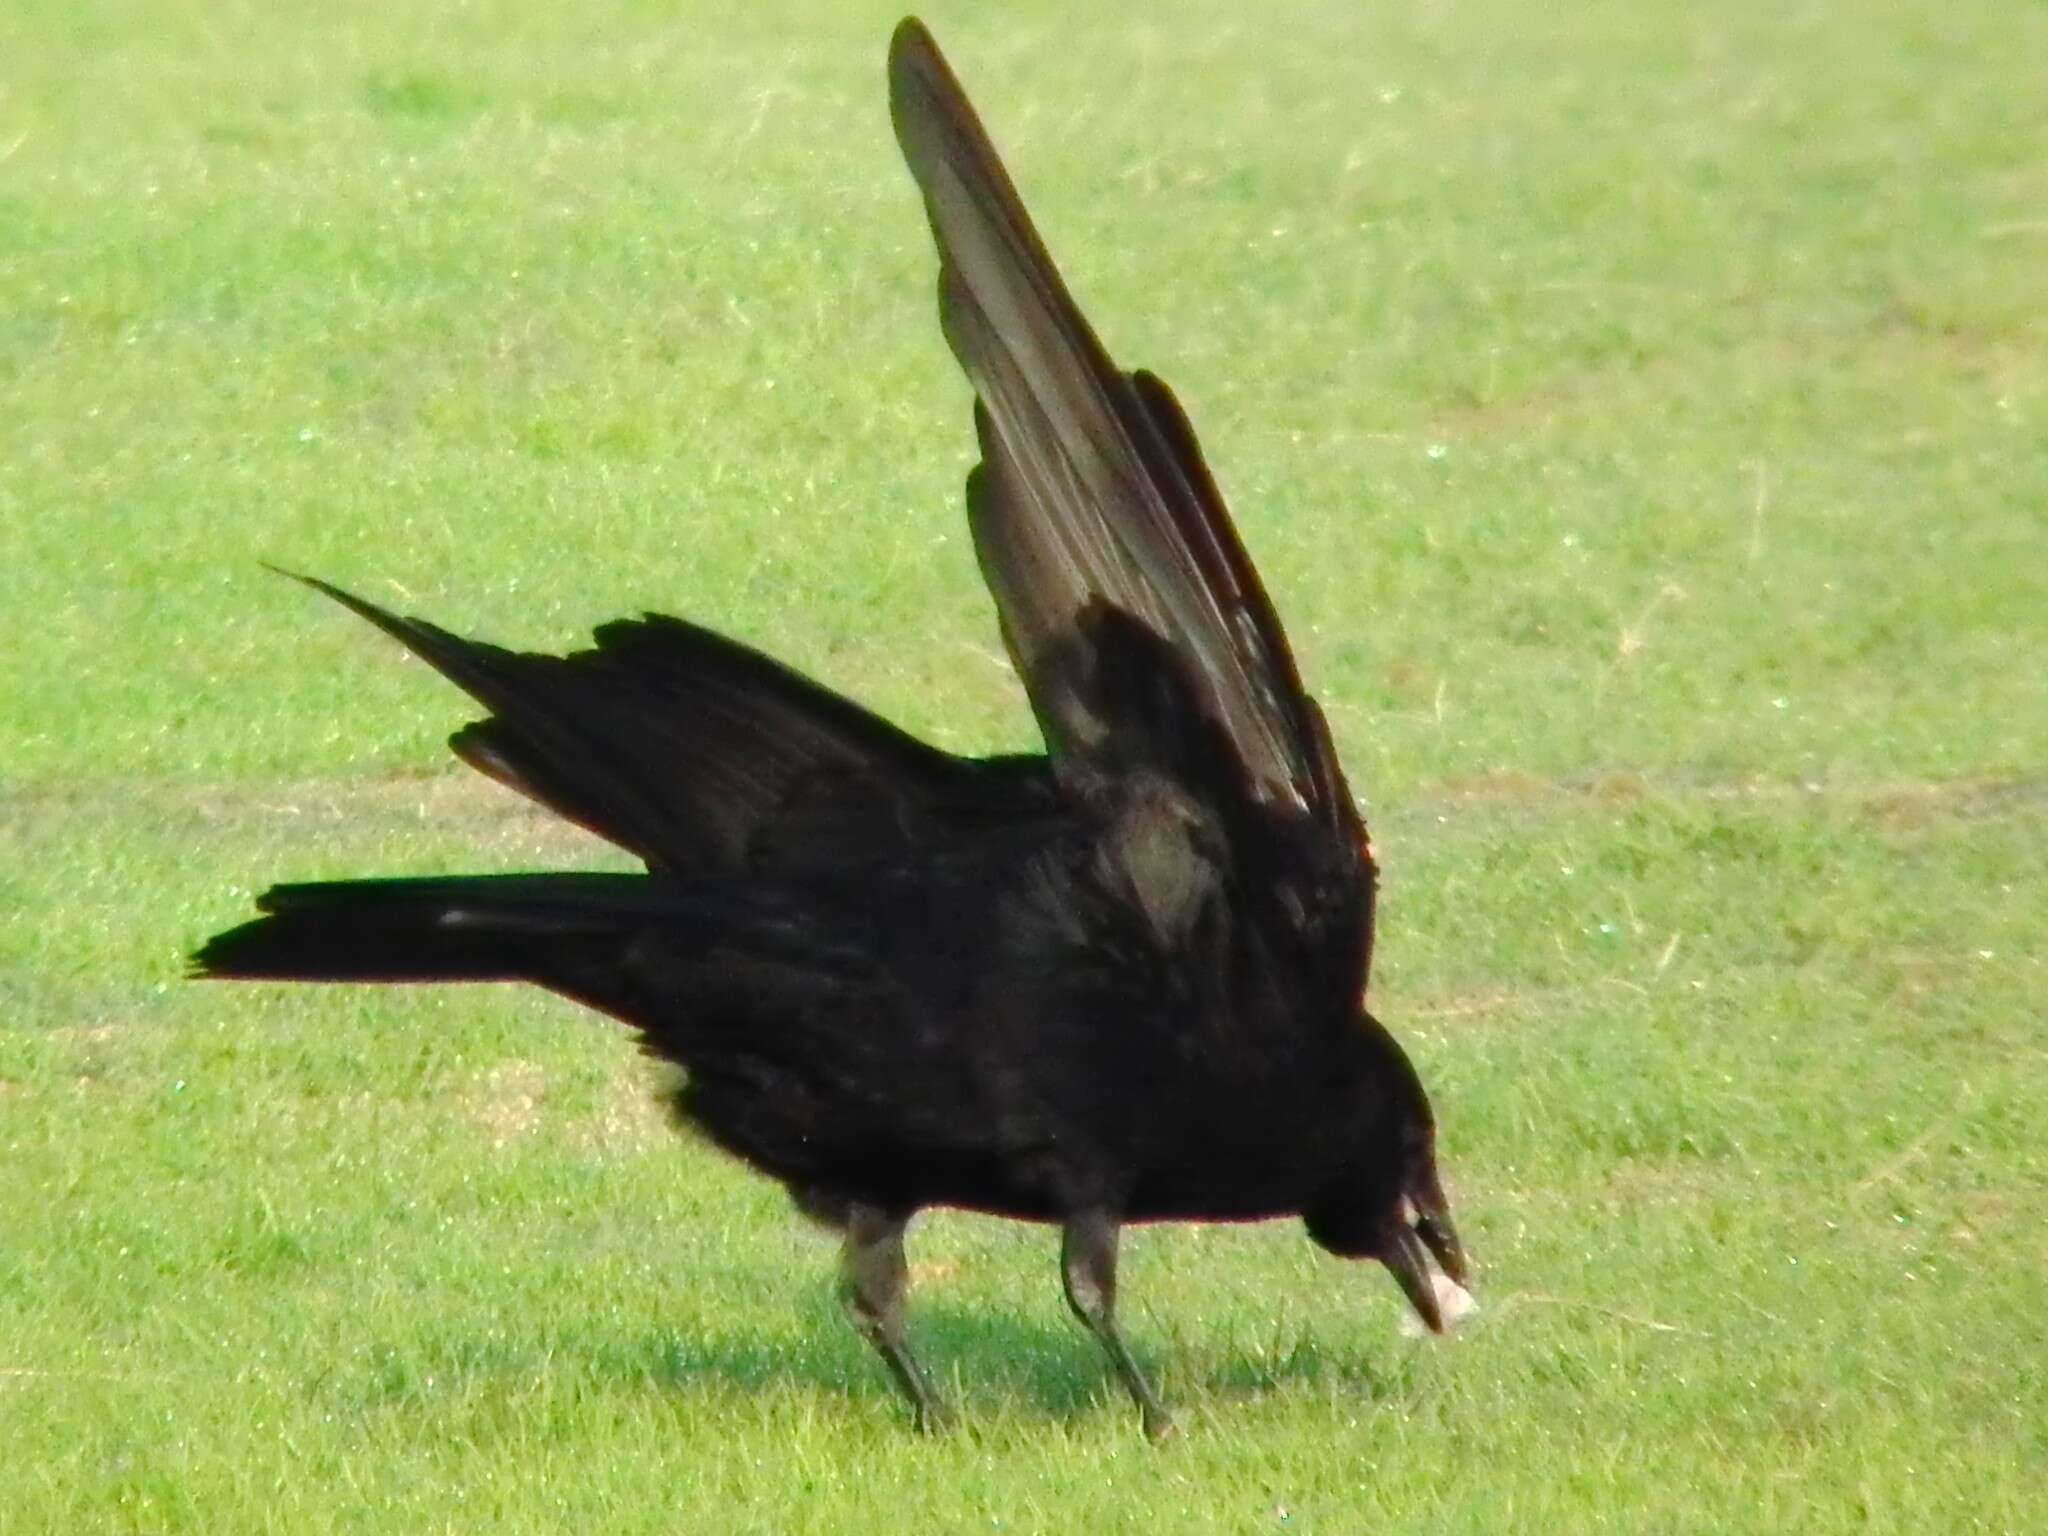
(1423, 1230)
(1441, 1238)
(1408, 1262)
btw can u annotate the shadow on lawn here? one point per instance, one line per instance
(975, 1357)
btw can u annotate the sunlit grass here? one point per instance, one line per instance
(1642, 422)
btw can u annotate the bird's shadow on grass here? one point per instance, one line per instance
(1058, 1371)
(978, 1360)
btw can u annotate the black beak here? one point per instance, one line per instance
(1436, 1231)
(1421, 1230)
(1406, 1260)
(1430, 1211)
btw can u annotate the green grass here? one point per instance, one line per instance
(1641, 418)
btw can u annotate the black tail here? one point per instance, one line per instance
(472, 928)
(702, 756)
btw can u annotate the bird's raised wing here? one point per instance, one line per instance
(1092, 507)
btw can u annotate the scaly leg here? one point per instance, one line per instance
(1088, 1265)
(872, 1280)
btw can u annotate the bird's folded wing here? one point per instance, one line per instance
(705, 757)
(1092, 493)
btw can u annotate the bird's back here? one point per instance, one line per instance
(1009, 1023)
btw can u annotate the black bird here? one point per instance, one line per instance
(1122, 981)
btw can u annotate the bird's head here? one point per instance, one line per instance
(1389, 1202)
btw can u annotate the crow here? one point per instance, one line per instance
(1119, 981)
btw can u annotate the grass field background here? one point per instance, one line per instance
(1641, 417)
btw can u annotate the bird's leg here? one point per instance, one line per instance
(872, 1278)
(1088, 1265)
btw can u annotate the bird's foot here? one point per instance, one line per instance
(1159, 1426)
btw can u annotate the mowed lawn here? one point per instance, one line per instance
(1640, 415)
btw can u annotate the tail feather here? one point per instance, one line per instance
(473, 928)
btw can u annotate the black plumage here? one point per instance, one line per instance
(1118, 982)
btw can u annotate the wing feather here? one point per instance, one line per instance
(1092, 488)
(1141, 631)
